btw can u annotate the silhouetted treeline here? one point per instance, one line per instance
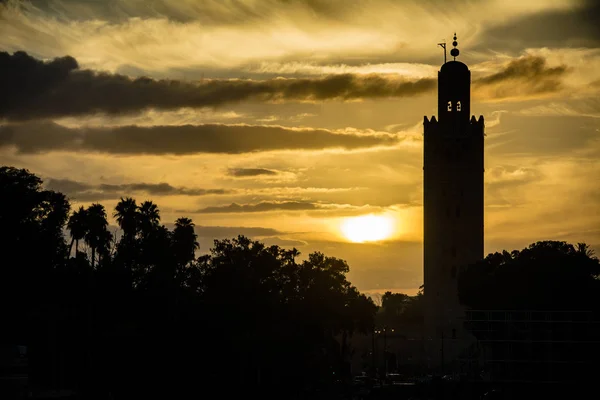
(141, 314)
(536, 316)
(547, 275)
(398, 309)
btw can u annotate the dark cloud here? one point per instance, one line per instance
(522, 77)
(312, 208)
(35, 89)
(233, 231)
(85, 192)
(574, 27)
(162, 189)
(220, 232)
(245, 172)
(530, 67)
(37, 137)
(261, 207)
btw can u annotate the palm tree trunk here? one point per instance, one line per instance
(71, 249)
(76, 247)
(93, 256)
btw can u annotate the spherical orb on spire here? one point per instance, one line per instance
(455, 43)
(454, 52)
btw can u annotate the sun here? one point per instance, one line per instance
(367, 228)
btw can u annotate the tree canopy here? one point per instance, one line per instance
(119, 305)
(546, 275)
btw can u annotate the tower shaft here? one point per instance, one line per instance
(453, 198)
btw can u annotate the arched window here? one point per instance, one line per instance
(449, 106)
(458, 106)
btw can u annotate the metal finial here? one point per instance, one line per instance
(454, 52)
(443, 45)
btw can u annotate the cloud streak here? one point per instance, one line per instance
(39, 137)
(264, 206)
(311, 208)
(87, 192)
(36, 89)
(219, 232)
(527, 76)
(250, 172)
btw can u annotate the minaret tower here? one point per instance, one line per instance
(453, 199)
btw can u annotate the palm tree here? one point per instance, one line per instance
(148, 218)
(77, 228)
(185, 241)
(154, 241)
(584, 249)
(126, 214)
(97, 235)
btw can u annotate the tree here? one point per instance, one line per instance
(263, 287)
(185, 241)
(97, 235)
(257, 305)
(555, 285)
(546, 275)
(31, 216)
(126, 214)
(584, 250)
(394, 303)
(148, 218)
(77, 228)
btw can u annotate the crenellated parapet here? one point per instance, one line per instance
(429, 124)
(475, 127)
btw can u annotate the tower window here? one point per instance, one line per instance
(453, 333)
(453, 271)
(458, 106)
(453, 251)
(449, 106)
(457, 211)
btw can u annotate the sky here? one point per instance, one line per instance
(299, 122)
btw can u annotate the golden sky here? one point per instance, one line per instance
(284, 119)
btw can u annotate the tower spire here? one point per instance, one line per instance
(454, 52)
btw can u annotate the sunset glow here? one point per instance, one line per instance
(300, 123)
(368, 228)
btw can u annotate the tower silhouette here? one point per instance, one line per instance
(453, 200)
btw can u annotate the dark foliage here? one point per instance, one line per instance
(536, 313)
(548, 275)
(142, 315)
